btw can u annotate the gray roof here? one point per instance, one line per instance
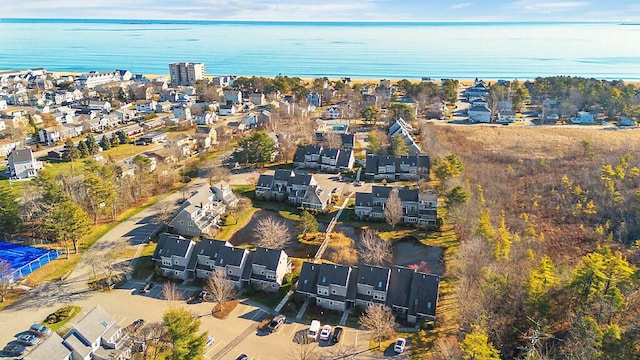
(301, 179)
(315, 192)
(51, 348)
(371, 164)
(94, 324)
(399, 286)
(481, 108)
(74, 342)
(344, 157)
(348, 139)
(363, 199)
(170, 245)
(269, 258)
(230, 255)
(209, 247)
(408, 195)
(265, 181)
(380, 191)
(21, 155)
(423, 298)
(308, 278)
(330, 153)
(332, 274)
(299, 155)
(202, 196)
(282, 175)
(375, 276)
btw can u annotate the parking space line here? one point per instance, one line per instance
(293, 332)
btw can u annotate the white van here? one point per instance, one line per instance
(314, 330)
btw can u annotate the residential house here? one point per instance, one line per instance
(132, 130)
(233, 261)
(325, 159)
(51, 348)
(226, 110)
(206, 118)
(405, 131)
(152, 138)
(146, 106)
(152, 124)
(257, 99)
(206, 253)
(22, 164)
(232, 96)
(198, 214)
(94, 78)
(182, 112)
(423, 297)
(6, 145)
(298, 188)
(400, 278)
(183, 143)
(314, 99)
(583, 117)
(348, 141)
(327, 283)
(370, 100)
(372, 285)
(222, 192)
(316, 198)
(205, 136)
(268, 268)
(174, 256)
(419, 208)
(163, 106)
(97, 336)
(479, 114)
(103, 106)
(334, 112)
(392, 168)
(124, 75)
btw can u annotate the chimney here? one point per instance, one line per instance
(201, 206)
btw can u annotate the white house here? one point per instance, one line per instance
(479, 114)
(22, 164)
(97, 336)
(583, 117)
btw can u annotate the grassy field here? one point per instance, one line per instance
(143, 266)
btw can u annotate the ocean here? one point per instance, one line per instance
(352, 49)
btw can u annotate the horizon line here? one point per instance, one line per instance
(320, 21)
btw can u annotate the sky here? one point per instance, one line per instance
(329, 10)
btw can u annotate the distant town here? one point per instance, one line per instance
(261, 205)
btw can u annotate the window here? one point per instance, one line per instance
(368, 292)
(379, 284)
(333, 292)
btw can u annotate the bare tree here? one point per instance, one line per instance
(170, 293)
(393, 208)
(373, 250)
(220, 287)
(380, 321)
(447, 349)
(151, 335)
(6, 279)
(272, 234)
(216, 172)
(333, 140)
(243, 204)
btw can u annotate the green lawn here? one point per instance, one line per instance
(70, 312)
(143, 265)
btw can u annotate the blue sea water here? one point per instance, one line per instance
(355, 49)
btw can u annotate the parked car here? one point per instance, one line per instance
(14, 348)
(314, 330)
(28, 339)
(210, 341)
(399, 346)
(39, 330)
(146, 288)
(337, 335)
(325, 333)
(138, 324)
(242, 357)
(276, 323)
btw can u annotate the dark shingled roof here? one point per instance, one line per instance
(378, 277)
(21, 155)
(344, 157)
(264, 181)
(301, 179)
(269, 258)
(371, 164)
(331, 274)
(209, 247)
(363, 199)
(348, 139)
(170, 245)
(399, 286)
(423, 297)
(408, 195)
(282, 175)
(308, 278)
(381, 191)
(330, 153)
(230, 255)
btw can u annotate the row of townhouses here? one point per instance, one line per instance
(202, 211)
(181, 258)
(96, 336)
(323, 158)
(391, 168)
(300, 189)
(405, 131)
(412, 295)
(418, 208)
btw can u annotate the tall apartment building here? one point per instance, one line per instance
(186, 73)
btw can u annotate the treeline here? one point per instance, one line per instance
(276, 85)
(547, 265)
(613, 98)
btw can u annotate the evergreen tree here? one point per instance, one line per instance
(115, 140)
(71, 153)
(92, 145)
(375, 144)
(83, 150)
(307, 222)
(9, 209)
(541, 278)
(476, 346)
(183, 330)
(105, 143)
(67, 221)
(257, 148)
(399, 147)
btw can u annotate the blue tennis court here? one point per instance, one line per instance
(24, 260)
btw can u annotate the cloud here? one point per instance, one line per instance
(460, 5)
(546, 7)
